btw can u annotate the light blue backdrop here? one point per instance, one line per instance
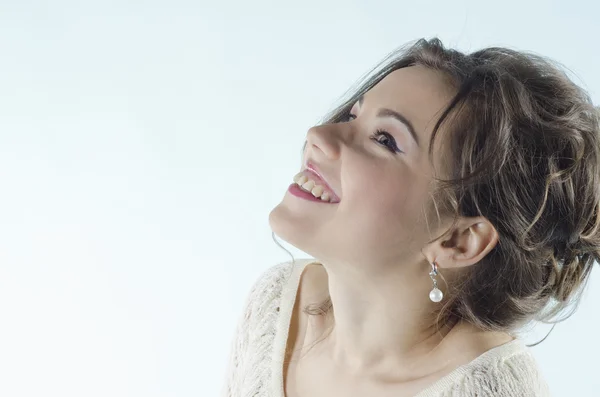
(143, 144)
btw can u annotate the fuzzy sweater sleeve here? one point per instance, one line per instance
(248, 372)
(511, 375)
(515, 376)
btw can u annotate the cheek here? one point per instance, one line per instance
(380, 196)
(378, 192)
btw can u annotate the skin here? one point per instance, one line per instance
(373, 246)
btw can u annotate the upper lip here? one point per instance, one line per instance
(318, 177)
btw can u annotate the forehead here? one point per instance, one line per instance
(418, 92)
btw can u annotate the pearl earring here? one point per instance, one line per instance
(435, 295)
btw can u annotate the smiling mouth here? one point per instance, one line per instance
(312, 184)
(296, 190)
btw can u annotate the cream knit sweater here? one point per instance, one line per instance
(256, 362)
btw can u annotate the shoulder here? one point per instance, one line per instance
(271, 279)
(255, 331)
(514, 374)
(266, 288)
(313, 284)
(254, 338)
(312, 289)
(297, 277)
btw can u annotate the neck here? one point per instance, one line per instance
(384, 327)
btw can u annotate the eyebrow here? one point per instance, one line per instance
(384, 112)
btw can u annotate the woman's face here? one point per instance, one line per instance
(382, 178)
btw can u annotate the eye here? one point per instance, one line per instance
(346, 117)
(389, 142)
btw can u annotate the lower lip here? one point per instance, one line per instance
(296, 191)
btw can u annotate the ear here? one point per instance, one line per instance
(467, 243)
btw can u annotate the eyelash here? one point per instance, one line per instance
(379, 132)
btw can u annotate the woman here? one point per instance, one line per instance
(451, 200)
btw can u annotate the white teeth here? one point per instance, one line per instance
(308, 185)
(300, 180)
(317, 191)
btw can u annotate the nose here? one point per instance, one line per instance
(323, 141)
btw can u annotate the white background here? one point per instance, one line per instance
(143, 144)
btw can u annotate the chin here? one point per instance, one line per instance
(296, 230)
(281, 221)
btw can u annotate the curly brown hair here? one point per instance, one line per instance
(525, 144)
